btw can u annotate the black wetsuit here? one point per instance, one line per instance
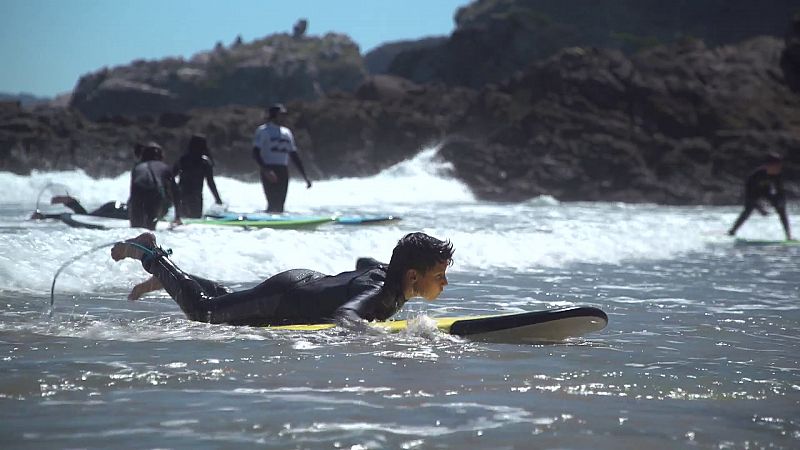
(152, 188)
(193, 169)
(298, 296)
(112, 210)
(762, 185)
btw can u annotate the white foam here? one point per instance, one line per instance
(424, 178)
(523, 237)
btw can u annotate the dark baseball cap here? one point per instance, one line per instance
(277, 108)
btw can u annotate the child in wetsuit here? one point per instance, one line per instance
(371, 292)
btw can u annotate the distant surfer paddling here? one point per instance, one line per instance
(765, 184)
(112, 210)
(273, 146)
(373, 291)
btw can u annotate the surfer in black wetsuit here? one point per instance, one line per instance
(372, 292)
(765, 183)
(112, 210)
(194, 167)
(152, 189)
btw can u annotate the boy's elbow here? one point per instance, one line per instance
(347, 315)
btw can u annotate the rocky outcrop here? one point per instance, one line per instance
(676, 124)
(495, 38)
(385, 88)
(277, 68)
(790, 59)
(378, 59)
(24, 99)
(341, 135)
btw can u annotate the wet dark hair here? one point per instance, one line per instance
(151, 151)
(198, 144)
(773, 158)
(420, 252)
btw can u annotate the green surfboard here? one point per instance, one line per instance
(296, 223)
(765, 242)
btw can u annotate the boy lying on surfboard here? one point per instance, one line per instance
(301, 296)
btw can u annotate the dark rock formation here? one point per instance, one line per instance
(276, 68)
(378, 59)
(339, 136)
(676, 124)
(790, 60)
(385, 88)
(494, 38)
(23, 98)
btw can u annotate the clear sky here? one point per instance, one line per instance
(46, 45)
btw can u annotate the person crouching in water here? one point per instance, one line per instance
(194, 167)
(373, 291)
(765, 183)
(153, 188)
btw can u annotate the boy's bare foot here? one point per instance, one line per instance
(122, 250)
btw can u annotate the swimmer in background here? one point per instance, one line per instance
(111, 210)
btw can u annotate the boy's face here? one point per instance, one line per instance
(430, 284)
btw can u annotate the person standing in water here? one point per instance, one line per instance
(373, 291)
(152, 189)
(194, 167)
(765, 183)
(273, 146)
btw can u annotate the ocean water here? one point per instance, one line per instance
(701, 350)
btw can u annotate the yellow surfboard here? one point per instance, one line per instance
(515, 328)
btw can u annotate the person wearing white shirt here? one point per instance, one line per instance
(273, 146)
